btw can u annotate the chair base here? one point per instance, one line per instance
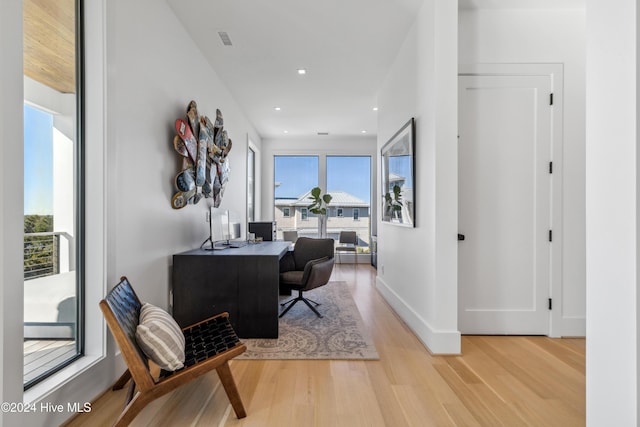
(293, 302)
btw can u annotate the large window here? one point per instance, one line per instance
(295, 176)
(347, 179)
(349, 182)
(53, 182)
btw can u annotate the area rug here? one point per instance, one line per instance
(339, 334)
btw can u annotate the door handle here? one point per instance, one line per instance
(460, 236)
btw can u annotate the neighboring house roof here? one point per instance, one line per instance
(339, 199)
(393, 177)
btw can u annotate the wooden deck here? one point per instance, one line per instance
(40, 356)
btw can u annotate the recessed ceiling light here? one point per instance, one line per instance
(302, 71)
(375, 108)
(277, 108)
(286, 131)
(363, 131)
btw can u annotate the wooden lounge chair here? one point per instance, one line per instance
(210, 344)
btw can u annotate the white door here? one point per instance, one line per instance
(504, 204)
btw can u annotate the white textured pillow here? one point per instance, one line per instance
(160, 337)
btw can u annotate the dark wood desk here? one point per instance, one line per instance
(242, 281)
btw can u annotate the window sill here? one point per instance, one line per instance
(59, 379)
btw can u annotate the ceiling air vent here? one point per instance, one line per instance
(225, 38)
(323, 133)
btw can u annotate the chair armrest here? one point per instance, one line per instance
(317, 272)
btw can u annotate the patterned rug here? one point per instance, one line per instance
(340, 334)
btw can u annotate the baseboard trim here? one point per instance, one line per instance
(437, 342)
(573, 327)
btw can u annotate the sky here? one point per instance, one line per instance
(299, 174)
(401, 165)
(38, 162)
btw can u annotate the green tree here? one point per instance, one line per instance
(39, 251)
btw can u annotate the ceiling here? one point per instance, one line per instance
(49, 43)
(347, 48)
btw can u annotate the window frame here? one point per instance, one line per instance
(292, 148)
(79, 201)
(251, 182)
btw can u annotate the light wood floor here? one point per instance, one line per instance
(498, 381)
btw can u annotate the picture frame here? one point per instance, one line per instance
(398, 177)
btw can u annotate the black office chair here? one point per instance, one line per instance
(347, 242)
(307, 267)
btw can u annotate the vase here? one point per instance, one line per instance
(322, 226)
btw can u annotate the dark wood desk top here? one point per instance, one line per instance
(277, 248)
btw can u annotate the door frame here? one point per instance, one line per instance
(556, 74)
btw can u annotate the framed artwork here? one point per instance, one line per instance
(398, 177)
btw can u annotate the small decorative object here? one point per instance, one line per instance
(398, 177)
(204, 147)
(319, 207)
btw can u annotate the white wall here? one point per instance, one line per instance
(153, 74)
(528, 36)
(61, 105)
(64, 197)
(611, 213)
(417, 267)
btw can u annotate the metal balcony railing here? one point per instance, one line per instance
(42, 253)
